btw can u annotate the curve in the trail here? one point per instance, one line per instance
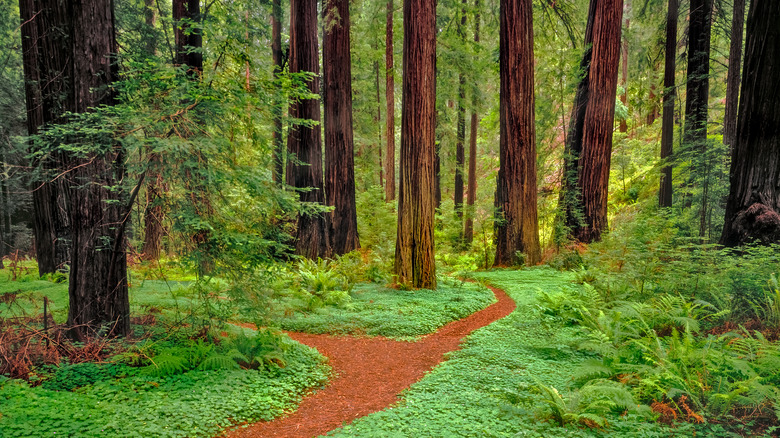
(370, 373)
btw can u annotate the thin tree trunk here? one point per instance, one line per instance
(460, 153)
(471, 197)
(304, 141)
(276, 53)
(732, 81)
(378, 119)
(753, 207)
(390, 98)
(667, 123)
(339, 146)
(414, 250)
(624, 62)
(517, 227)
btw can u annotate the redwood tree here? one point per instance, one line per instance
(414, 259)
(278, 59)
(517, 227)
(339, 160)
(471, 196)
(588, 218)
(732, 80)
(753, 207)
(667, 123)
(305, 171)
(45, 58)
(390, 98)
(460, 153)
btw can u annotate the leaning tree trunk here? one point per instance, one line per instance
(732, 81)
(599, 117)
(303, 141)
(753, 207)
(414, 259)
(339, 160)
(517, 227)
(390, 98)
(46, 59)
(667, 123)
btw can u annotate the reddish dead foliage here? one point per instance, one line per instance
(369, 374)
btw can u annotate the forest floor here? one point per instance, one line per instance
(370, 374)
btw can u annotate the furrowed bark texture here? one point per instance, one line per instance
(304, 141)
(593, 170)
(732, 81)
(45, 59)
(667, 123)
(624, 63)
(414, 257)
(390, 98)
(753, 207)
(339, 146)
(517, 228)
(569, 201)
(471, 196)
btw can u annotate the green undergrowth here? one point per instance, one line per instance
(182, 389)
(513, 378)
(376, 310)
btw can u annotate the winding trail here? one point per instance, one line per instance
(370, 374)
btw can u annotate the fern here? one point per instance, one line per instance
(166, 365)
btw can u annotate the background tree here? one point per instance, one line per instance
(460, 153)
(414, 259)
(278, 65)
(304, 172)
(667, 123)
(339, 162)
(471, 196)
(753, 207)
(517, 229)
(390, 98)
(735, 63)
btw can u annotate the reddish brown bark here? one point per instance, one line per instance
(414, 258)
(667, 123)
(278, 60)
(339, 146)
(311, 238)
(598, 121)
(732, 81)
(517, 228)
(471, 197)
(460, 153)
(753, 207)
(624, 62)
(390, 98)
(188, 38)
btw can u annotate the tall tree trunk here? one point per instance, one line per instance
(98, 277)
(188, 38)
(460, 153)
(378, 120)
(414, 250)
(46, 61)
(753, 207)
(471, 197)
(624, 62)
(390, 98)
(155, 190)
(569, 200)
(278, 59)
(697, 95)
(732, 81)
(598, 122)
(339, 147)
(667, 123)
(304, 141)
(517, 227)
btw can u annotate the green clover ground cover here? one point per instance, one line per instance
(490, 387)
(375, 310)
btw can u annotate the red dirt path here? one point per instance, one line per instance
(370, 373)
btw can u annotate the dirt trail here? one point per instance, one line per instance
(370, 373)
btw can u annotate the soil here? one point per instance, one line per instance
(369, 374)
